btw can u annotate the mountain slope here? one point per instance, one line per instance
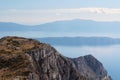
(28, 59)
(91, 68)
(8, 26)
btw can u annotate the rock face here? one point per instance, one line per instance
(91, 68)
(27, 59)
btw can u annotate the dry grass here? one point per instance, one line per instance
(13, 64)
(15, 45)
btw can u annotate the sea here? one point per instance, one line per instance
(109, 56)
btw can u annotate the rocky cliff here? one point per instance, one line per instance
(91, 68)
(28, 59)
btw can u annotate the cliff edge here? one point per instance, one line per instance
(28, 59)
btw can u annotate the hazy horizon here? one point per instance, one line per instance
(66, 28)
(38, 12)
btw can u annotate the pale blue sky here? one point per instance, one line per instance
(55, 4)
(43, 11)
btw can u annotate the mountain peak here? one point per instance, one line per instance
(15, 44)
(91, 68)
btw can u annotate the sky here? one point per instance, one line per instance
(32, 12)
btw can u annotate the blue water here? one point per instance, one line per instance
(38, 34)
(108, 55)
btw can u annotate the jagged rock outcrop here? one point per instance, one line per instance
(91, 68)
(27, 59)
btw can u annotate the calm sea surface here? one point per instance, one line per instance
(108, 55)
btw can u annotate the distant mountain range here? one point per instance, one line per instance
(81, 41)
(77, 25)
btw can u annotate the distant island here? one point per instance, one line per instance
(80, 41)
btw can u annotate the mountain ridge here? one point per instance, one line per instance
(66, 26)
(28, 59)
(88, 65)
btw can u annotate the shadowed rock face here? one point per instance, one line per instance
(27, 59)
(53, 66)
(91, 68)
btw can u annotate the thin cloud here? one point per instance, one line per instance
(50, 15)
(77, 10)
